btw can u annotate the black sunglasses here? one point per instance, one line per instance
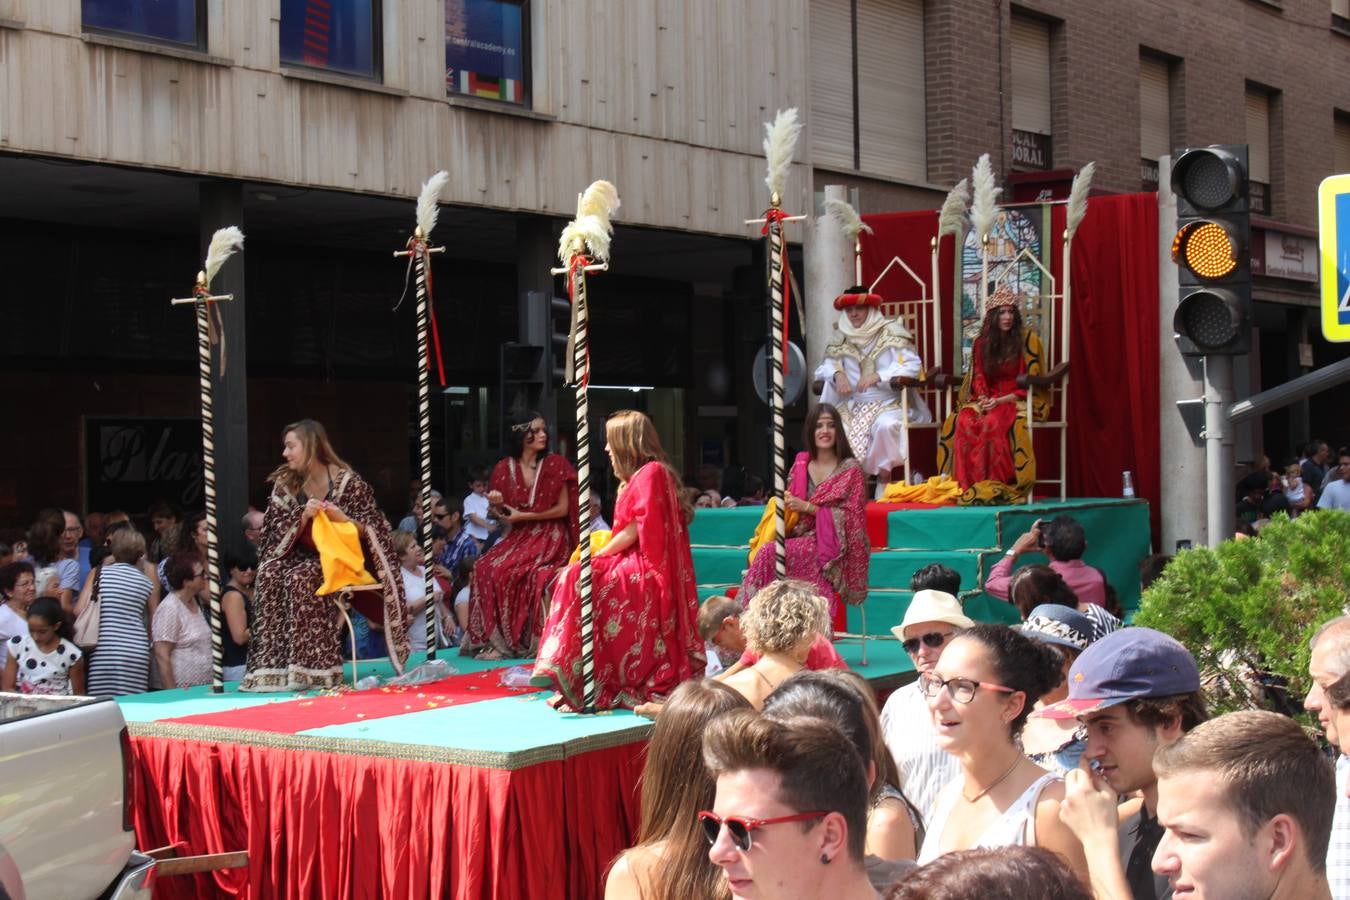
(932, 640)
(740, 827)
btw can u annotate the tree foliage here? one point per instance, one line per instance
(1247, 608)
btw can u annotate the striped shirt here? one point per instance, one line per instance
(121, 663)
(907, 726)
(1338, 851)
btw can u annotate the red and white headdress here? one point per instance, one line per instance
(857, 296)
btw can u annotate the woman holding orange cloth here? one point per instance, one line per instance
(296, 642)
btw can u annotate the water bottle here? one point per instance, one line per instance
(1128, 481)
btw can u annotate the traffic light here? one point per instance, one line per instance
(531, 367)
(1212, 250)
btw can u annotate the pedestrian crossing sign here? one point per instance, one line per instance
(1333, 203)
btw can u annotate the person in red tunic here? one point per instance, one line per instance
(985, 444)
(644, 602)
(535, 493)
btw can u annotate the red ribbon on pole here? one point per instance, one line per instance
(577, 266)
(419, 247)
(776, 214)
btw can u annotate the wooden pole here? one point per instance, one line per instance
(201, 300)
(777, 262)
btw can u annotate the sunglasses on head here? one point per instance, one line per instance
(740, 827)
(932, 640)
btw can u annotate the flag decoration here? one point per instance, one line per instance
(488, 87)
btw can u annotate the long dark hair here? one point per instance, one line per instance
(518, 429)
(49, 610)
(44, 537)
(998, 348)
(842, 448)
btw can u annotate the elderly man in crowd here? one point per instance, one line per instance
(1330, 660)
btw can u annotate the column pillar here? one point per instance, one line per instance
(828, 257)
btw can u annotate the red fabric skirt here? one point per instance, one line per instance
(333, 826)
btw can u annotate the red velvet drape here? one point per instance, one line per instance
(1113, 338)
(1113, 350)
(329, 825)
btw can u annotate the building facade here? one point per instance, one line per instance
(129, 131)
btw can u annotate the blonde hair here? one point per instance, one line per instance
(783, 615)
(402, 541)
(633, 442)
(314, 442)
(127, 545)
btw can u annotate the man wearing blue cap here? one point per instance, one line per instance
(1135, 690)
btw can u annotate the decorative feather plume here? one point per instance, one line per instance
(953, 215)
(224, 244)
(591, 228)
(780, 143)
(984, 203)
(1078, 197)
(427, 208)
(849, 221)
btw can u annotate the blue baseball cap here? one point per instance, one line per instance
(1126, 665)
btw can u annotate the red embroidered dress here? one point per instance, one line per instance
(983, 448)
(296, 643)
(509, 580)
(644, 603)
(833, 555)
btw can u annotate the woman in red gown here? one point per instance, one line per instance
(644, 602)
(985, 442)
(535, 492)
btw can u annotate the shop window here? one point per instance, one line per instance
(487, 50)
(340, 36)
(181, 23)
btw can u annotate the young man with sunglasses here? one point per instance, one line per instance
(789, 820)
(930, 622)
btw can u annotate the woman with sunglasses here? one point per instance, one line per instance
(534, 493)
(980, 694)
(644, 601)
(236, 601)
(671, 856)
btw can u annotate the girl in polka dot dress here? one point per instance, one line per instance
(46, 660)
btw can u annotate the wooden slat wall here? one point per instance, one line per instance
(666, 97)
(893, 124)
(831, 116)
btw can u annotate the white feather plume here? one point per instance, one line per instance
(847, 217)
(780, 144)
(428, 208)
(591, 228)
(224, 244)
(1078, 197)
(953, 215)
(984, 201)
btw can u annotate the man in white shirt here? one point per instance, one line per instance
(864, 374)
(1330, 660)
(930, 622)
(1336, 495)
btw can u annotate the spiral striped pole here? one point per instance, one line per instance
(777, 261)
(201, 301)
(421, 252)
(581, 366)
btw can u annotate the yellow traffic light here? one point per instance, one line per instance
(1207, 249)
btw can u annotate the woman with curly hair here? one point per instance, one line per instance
(780, 626)
(671, 856)
(985, 444)
(644, 601)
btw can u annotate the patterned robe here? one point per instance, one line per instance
(296, 643)
(510, 580)
(990, 454)
(832, 555)
(644, 603)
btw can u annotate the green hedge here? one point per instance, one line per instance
(1250, 606)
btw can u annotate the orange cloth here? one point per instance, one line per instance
(938, 489)
(340, 555)
(766, 532)
(599, 538)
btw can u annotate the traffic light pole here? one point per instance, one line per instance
(1219, 480)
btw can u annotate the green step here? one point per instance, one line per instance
(724, 527)
(887, 569)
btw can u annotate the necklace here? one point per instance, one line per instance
(996, 782)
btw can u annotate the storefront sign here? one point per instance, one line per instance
(130, 463)
(1031, 150)
(1278, 254)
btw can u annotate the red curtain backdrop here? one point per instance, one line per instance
(332, 826)
(1113, 338)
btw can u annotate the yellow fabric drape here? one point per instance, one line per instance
(938, 489)
(599, 538)
(340, 555)
(766, 532)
